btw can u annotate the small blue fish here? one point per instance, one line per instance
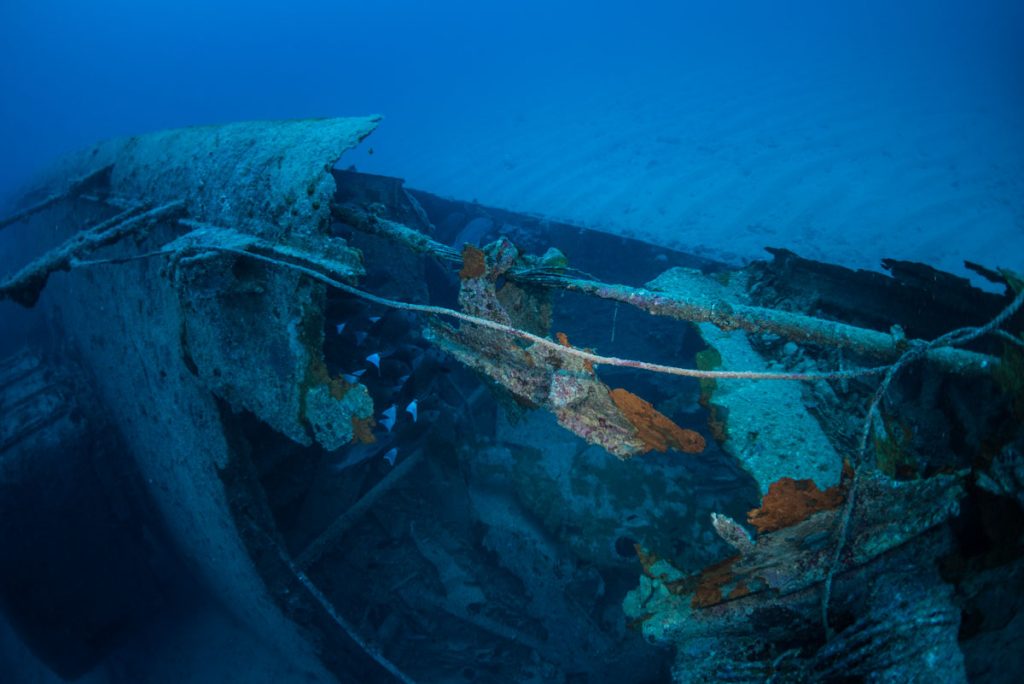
(413, 410)
(374, 319)
(360, 338)
(340, 328)
(353, 377)
(375, 360)
(391, 455)
(390, 414)
(402, 380)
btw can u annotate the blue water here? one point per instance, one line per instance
(847, 133)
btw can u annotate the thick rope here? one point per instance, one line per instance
(550, 344)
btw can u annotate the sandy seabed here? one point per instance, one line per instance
(849, 171)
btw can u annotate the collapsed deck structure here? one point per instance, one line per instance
(781, 453)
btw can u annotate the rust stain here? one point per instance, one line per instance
(338, 388)
(655, 429)
(739, 591)
(362, 430)
(712, 580)
(790, 501)
(647, 559)
(637, 623)
(563, 340)
(716, 422)
(474, 264)
(317, 374)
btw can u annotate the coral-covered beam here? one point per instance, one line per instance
(26, 285)
(696, 309)
(754, 319)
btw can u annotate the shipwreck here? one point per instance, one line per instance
(410, 438)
